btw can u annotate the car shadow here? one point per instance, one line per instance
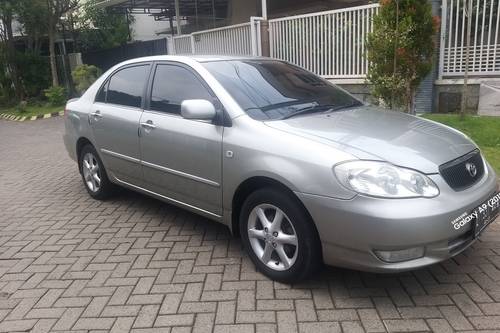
(341, 282)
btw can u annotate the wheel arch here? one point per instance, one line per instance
(249, 186)
(80, 143)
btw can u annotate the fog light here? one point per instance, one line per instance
(400, 255)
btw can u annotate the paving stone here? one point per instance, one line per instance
(352, 327)
(371, 320)
(255, 317)
(17, 325)
(287, 321)
(226, 312)
(420, 312)
(242, 328)
(174, 320)
(439, 325)
(94, 323)
(455, 318)
(406, 325)
(486, 322)
(320, 327)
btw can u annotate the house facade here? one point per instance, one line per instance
(328, 37)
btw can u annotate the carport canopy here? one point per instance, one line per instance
(169, 9)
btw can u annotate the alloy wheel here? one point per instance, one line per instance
(272, 237)
(91, 172)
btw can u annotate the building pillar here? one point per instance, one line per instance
(264, 30)
(426, 92)
(178, 17)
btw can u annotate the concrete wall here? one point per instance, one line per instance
(239, 11)
(145, 27)
(361, 91)
(448, 98)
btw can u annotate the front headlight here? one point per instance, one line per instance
(381, 179)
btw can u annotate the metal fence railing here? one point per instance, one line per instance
(333, 43)
(182, 45)
(330, 43)
(238, 39)
(484, 50)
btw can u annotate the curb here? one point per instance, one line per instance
(24, 118)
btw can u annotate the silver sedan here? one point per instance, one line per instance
(304, 172)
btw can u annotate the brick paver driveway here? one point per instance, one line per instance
(68, 262)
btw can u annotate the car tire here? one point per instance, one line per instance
(289, 251)
(94, 176)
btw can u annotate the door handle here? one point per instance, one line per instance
(97, 114)
(148, 125)
(94, 116)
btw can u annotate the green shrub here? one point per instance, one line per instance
(56, 95)
(400, 50)
(84, 76)
(21, 107)
(35, 73)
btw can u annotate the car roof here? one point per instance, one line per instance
(197, 58)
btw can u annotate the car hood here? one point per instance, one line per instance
(374, 133)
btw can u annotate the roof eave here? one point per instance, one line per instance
(107, 3)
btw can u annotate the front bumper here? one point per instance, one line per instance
(350, 230)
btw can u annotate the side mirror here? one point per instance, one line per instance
(199, 109)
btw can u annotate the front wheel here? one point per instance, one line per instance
(279, 236)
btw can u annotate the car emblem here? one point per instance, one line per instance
(471, 168)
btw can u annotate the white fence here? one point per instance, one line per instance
(182, 44)
(330, 43)
(484, 51)
(238, 39)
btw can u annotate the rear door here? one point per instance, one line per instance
(115, 120)
(181, 158)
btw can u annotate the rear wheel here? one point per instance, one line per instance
(94, 175)
(279, 235)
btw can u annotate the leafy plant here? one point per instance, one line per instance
(35, 75)
(21, 107)
(400, 50)
(56, 95)
(84, 76)
(99, 29)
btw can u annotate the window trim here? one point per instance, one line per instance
(144, 89)
(222, 118)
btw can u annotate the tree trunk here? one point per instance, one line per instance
(409, 99)
(52, 53)
(11, 58)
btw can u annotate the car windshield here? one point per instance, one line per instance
(272, 89)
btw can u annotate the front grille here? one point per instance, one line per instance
(464, 171)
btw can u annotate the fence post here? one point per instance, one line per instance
(442, 41)
(256, 35)
(253, 36)
(191, 37)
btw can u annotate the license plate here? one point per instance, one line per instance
(486, 213)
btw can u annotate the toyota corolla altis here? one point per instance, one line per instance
(304, 172)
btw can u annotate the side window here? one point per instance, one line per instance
(172, 85)
(126, 86)
(101, 95)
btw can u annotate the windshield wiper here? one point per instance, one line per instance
(329, 108)
(307, 110)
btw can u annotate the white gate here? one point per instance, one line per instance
(238, 39)
(484, 50)
(330, 43)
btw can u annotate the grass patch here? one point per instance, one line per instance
(485, 131)
(32, 110)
